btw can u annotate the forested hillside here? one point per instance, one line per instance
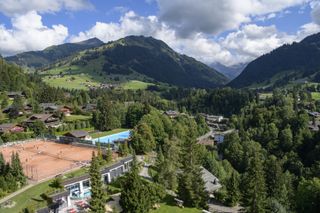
(288, 63)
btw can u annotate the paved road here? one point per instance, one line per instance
(205, 135)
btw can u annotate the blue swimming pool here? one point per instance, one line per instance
(112, 138)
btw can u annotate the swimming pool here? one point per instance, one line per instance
(114, 137)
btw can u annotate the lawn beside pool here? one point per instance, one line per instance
(169, 205)
(106, 133)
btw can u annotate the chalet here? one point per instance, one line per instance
(10, 109)
(89, 107)
(10, 128)
(314, 114)
(80, 134)
(212, 183)
(219, 136)
(49, 120)
(171, 113)
(49, 107)
(28, 109)
(12, 95)
(66, 110)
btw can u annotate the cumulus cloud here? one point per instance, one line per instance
(29, 33)
(215, 16)
(315, 11)
(19, 7)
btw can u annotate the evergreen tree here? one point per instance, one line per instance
(108, 153)
(142, 139)
(191, 187)
(17, 170)
(233, 192)
(98, 199)
(124, 149)
(134, 195)
(99, 154)
(254, 196)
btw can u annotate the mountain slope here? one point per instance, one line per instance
(288, 63)
(141, 58)
(51, 54)
(229, 71)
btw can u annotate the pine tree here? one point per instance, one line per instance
(98, 195)
(254, 196)
(16, 169)
(233, 192)
(124, 149)
(99, 154)
(108, 154)
(191, 187)
(134, 197)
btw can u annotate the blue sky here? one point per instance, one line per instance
(212, 31)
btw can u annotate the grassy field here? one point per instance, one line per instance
(135, 85)
(30, 197)
(315, 96)
(77, 118)
(105, 133)
(169, 206)
(265, 95)
(71, 82)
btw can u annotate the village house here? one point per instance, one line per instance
(80, 134)
(49, 107)
(49, 120)
(171, 113)
(219, 136)
(66, 110)
(89, 107)
(10, 109)
(10, 128)
(12, 95)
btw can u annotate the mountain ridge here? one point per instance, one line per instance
(41, 58)
(288, 63)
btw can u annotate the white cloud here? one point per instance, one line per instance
(252, 41)
(20, 7)
(315, 11)
(215, 16)
(197, 46)
(29, 33)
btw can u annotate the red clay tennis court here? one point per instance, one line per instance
(43, 159)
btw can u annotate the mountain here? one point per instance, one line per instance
(51, 54)
(229, 71)
(140, 58)
(297, 62)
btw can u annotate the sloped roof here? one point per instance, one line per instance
(211, 181)
(77, 133)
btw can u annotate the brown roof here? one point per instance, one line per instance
(77, 133)
(41, 117)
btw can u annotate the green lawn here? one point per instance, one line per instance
(105, 133)
(77, 118)
(32, 196)
(135, 85)
(169, 206)
(315, 96)
(79, 81)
